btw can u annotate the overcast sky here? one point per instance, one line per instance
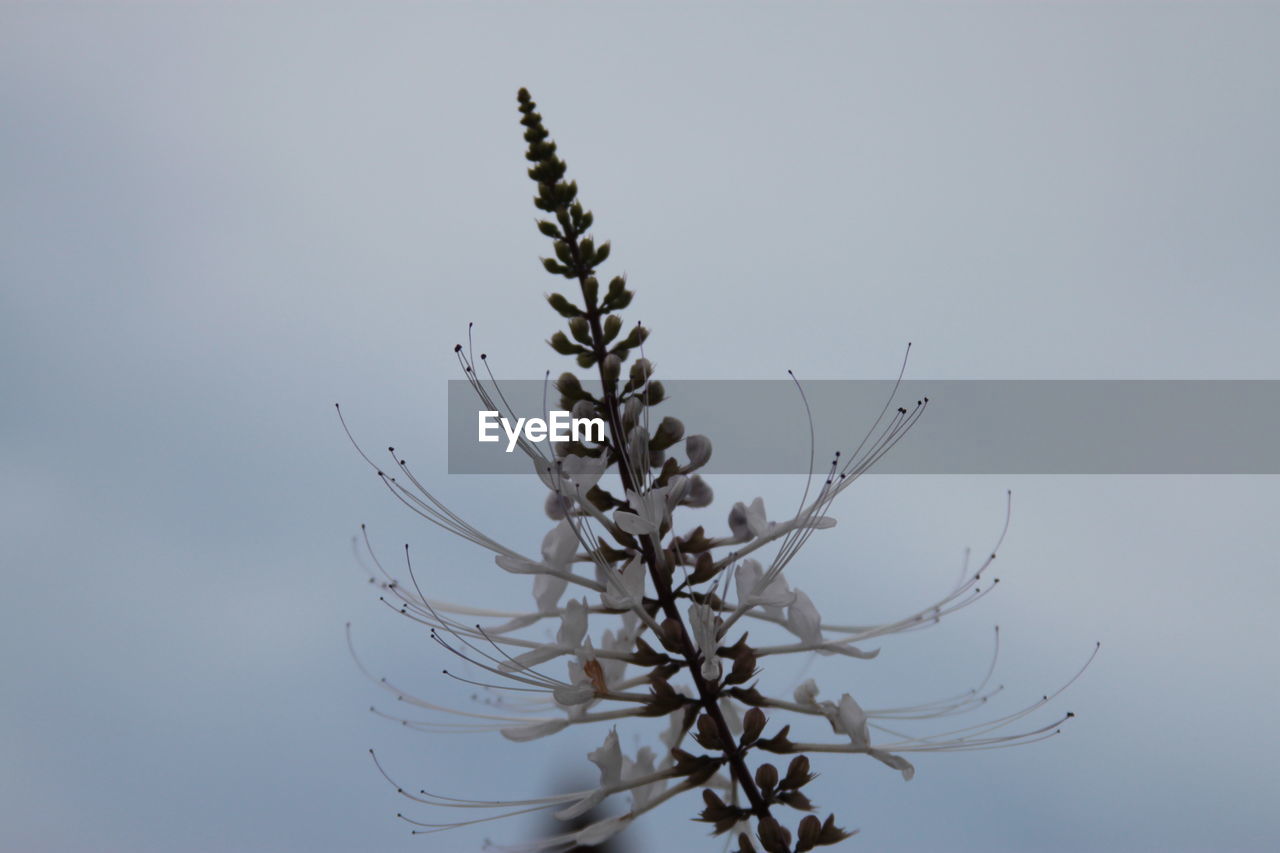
(219, 219)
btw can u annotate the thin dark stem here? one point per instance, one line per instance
(707, 693)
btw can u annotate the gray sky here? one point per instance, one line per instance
(219, 219)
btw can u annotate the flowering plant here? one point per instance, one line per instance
(677, 602)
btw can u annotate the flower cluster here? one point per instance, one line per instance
(677, 602)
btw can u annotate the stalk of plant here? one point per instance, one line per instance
(675, 600)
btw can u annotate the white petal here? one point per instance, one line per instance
(803, 619)
(757, 523)
(642, 766)
(702, 621)
(638, 451)
(738, 522)
(652, 505)
(573, 694)
(675, 726)
(519, 565)
(745, 577)
(573, 624)
(585, 471)
(601, 831)
(632, 579)
(897, 762)
(582, 806)
(775, 594)
(608, 757)
(807, 693)
(634, 524)
(853, 721)
(520, 734)
(547, 590)
(677, 487)
(847, 651)
(560, 545)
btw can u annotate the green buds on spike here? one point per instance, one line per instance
(563, 306)
(580, 328)
(669, 432)
(570, 388)
(561, 344)
(618, 297)
(612, 325)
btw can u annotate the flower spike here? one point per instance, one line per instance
(632, 612)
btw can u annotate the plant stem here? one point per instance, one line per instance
(707, 693)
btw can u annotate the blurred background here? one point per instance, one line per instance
(220, 219)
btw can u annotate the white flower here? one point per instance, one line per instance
(642, 767)
(587, 679)
(752, 590)
(803, 619)
(558, 550)
(749, 522)
(852, 720)
(613, 668)
(554, 572)
(807, 693)
(573, 628)
(627, 587)
(702, 622)
(848, 718)
(573, 624)
(649, 511)
(608, 758)
(571, 476)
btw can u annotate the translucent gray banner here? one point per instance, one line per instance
(967, 427)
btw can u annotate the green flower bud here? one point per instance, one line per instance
(641, 370)
(563, 252)
(569, 385)
(581, 330)
(561, 344)
(612, 325)
(563, 306)
(612, 367)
